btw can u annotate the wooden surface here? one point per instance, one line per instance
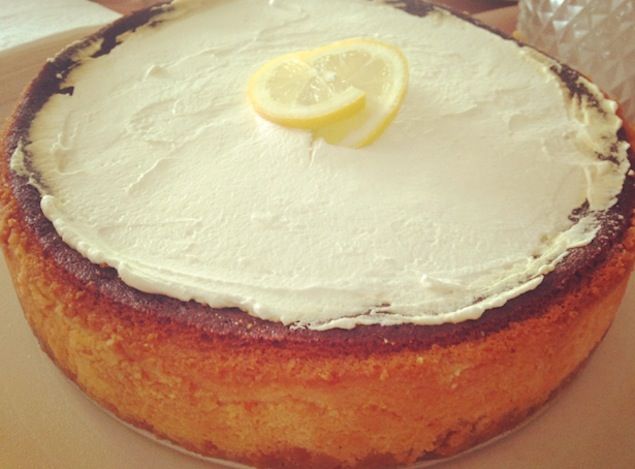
(470, 6)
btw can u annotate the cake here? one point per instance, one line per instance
(251, 293)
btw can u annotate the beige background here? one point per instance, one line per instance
(45, 422)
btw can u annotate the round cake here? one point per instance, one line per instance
(251, 292)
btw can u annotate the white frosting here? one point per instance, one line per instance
(157, 166)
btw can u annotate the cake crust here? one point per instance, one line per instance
(225, 384)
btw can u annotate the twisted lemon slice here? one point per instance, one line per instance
(347, 92)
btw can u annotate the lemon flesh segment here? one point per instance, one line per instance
(378, 69)
(290, 92)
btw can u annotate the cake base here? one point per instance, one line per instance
(233, 465)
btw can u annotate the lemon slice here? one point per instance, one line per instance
(289, 91)
(347, 92)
